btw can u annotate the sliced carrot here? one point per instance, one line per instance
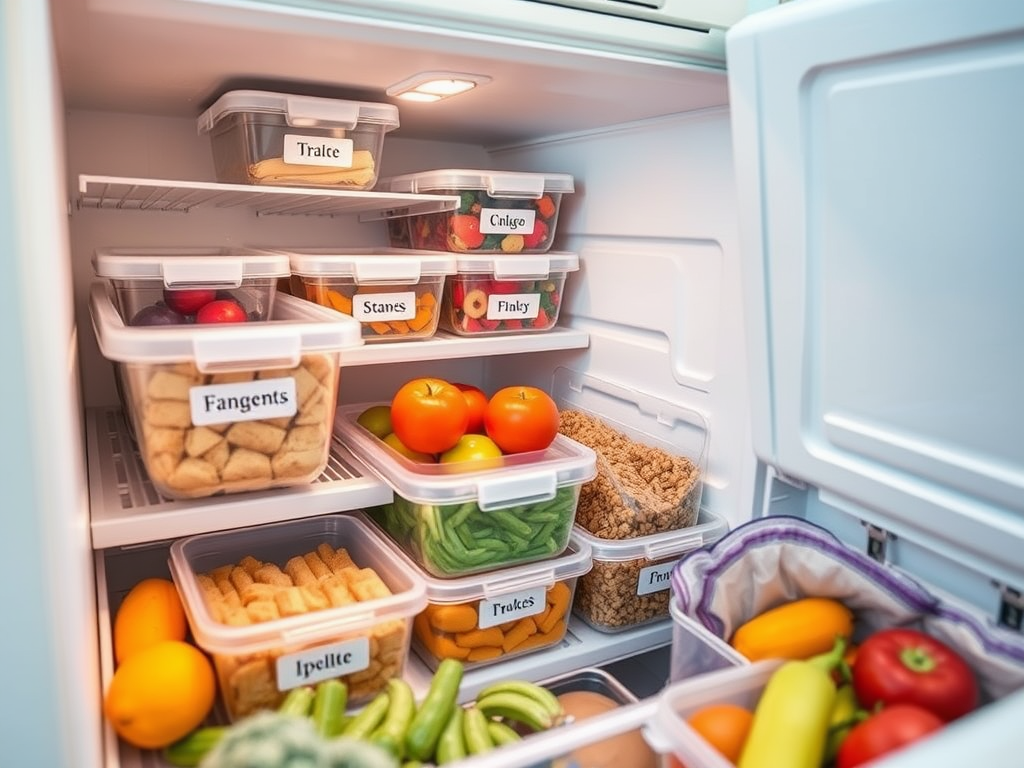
(542, 639)
(484, 653)
(423, 317)
(426, 300)
(447, 649)
(558, 598)
(460, 617)
(515, 636)
(382, 328)
(480, 637)
(339, 301)
(399, 326)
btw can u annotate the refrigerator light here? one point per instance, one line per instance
(434, 86)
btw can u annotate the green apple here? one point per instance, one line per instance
(392, 440)
(471, 447)
(376, 419)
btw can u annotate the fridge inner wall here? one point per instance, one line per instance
(886, 286)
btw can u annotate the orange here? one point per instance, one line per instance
(724, 727)
(160, 693)
(150, 613)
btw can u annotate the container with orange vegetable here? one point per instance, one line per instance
(499, 614)
(395, 294)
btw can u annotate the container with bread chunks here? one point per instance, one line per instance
(291, 604)
(224, 408)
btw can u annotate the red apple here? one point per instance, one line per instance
(476, 399)
(188, 301)
(221, 311)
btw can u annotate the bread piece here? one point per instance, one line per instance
(317, 566)
(289, 601)
(256, 436)
(167, 413)
(200, 440)
(321, 367)
(244, 464)
(218, 455)
(165, 385)
(193, 474)
(263, 610)
(316, 410)
(231, 377)
(256, 592)
(169, 440)
(299, 571)
(288, 464)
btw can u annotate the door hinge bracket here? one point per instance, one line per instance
(1011, 607)
(878, 542)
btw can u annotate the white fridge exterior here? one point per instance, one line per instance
(666, 301)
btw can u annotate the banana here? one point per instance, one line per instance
(512, 705)
(538, 693)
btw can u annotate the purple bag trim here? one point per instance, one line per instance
(721, 555)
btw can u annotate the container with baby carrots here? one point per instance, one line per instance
(493, 616)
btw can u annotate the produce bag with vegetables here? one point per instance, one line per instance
(771, 562)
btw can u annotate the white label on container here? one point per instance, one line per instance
(317, 150)
(513, 607)
(510, 306)
(655, 578)
(507, 221)
(243, 401)
(322, 663)
(369, 307)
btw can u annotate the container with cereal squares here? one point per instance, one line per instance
(224, 408)
(394, 294)
(288, 604)
(629, 584)
(283, 139)
(461, 518)
(649, 480)
(499, 211)
(490, 617)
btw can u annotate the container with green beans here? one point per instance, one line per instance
(457, 519)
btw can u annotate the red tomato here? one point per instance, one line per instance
(905, 666)
(188, 301)
(429, 415)
(221, 311)
(476, 399)
(891, 728)
(521, 419)
(466, 230)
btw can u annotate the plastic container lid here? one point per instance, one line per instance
(296, 327)
(523, 478)
(213, 267)
(516, 266)
(657, 546)
(300, 111)
(575, 561)
(497, 183)
(197, 554)
(383, 265)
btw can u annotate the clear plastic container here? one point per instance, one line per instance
(469, 517)
(499, 211)
(288, 604)
(669, 733)
(492, 295)
(261, 137)
(394, 294)
(228, 408)
(650, 477)
(695, 650)
(171, 286)
(629, 584)
(482, 619)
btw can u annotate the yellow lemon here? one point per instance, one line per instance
(150, 613)
(160, 693)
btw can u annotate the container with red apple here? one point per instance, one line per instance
(481, 481)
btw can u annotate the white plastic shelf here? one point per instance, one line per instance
(445, 346)
(143, 194)
(127, 509)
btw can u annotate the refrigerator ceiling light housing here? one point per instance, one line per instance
(434, 86)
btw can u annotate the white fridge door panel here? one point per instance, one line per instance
(879, 165)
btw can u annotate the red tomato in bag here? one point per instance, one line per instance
(890, 729)
(905, 666)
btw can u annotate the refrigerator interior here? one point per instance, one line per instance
(114, 96)
(111, 92)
